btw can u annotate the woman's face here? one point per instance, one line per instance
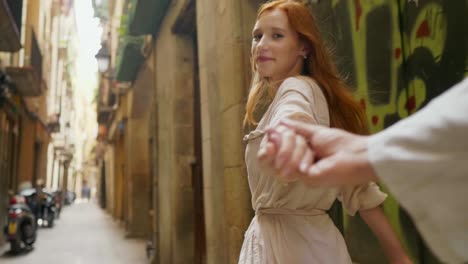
(276, 49)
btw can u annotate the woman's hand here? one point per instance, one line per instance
(338, 157)
(286, 152)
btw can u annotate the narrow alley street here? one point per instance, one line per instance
(152, 109)
(83, 234)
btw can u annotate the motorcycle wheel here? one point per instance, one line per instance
(50, 221)
(28, 234)
(15, 246)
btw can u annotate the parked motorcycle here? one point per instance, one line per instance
(70, 197)
(49, 210)
(42, 205)
(21, 229)
(58, 202)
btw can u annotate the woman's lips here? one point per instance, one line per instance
(263, 59)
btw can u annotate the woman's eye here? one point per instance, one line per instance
(277, 36)
(257, 37)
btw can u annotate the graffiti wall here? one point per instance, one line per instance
(397, 55)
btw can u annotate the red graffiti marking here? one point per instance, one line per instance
(363, 103)
(397, 53)
(358, 6)
(423, 30)
(411, 104)
(375, 120)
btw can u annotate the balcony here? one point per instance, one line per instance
(53, 124)
(10, 25)
(28, 79)
(105, 113)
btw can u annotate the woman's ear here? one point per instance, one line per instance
(305, 49)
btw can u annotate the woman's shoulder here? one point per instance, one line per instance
(302, 84)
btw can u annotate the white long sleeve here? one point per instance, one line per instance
(423, 160)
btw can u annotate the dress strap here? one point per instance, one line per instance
(287, 211)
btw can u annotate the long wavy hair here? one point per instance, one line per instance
(344, 111)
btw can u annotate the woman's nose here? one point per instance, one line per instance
(262, 44)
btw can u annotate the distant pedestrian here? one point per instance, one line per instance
(85, 191)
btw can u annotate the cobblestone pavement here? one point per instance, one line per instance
(84, 234)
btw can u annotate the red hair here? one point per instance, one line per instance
(345, 112)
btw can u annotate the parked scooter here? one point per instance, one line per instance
(21, 229)
(49, 211)
(58, 202)
(42, 204)
(70, 197)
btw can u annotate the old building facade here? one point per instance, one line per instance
(38, 99)
(179, 75)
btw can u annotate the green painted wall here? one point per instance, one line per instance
(397, 54)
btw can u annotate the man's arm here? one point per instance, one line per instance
(423, 160)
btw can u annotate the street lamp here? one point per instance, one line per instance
(103, 58)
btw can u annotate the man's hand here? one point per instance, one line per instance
(286, 151)
(340, 157)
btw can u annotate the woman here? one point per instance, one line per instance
(292, 68)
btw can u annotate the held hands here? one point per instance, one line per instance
(287, 152)
(323, 156)
(317, 155)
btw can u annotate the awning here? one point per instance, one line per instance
(26, 80)
(129, 59)
(9, 33)
(146, 16)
